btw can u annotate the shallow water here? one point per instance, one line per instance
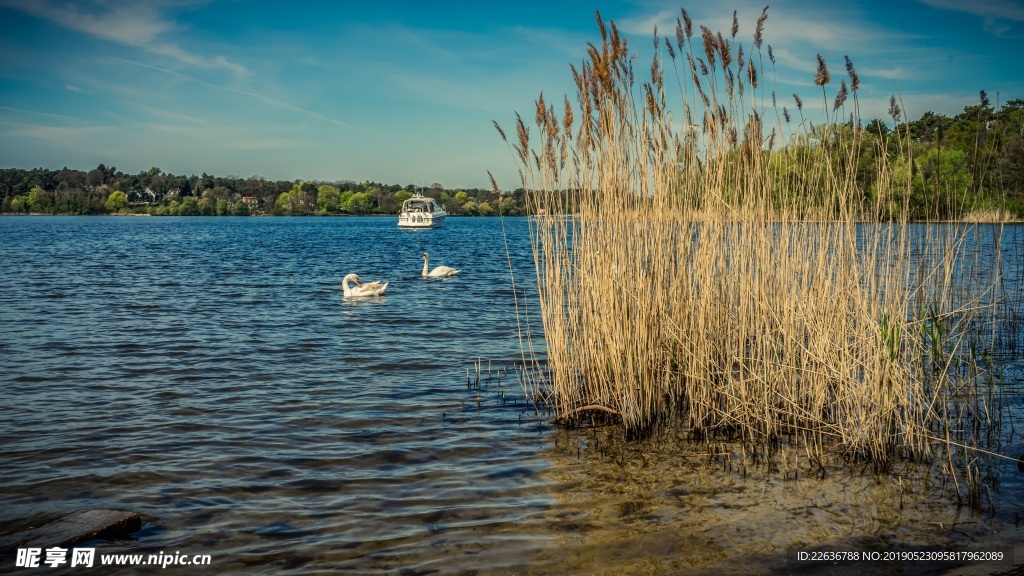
(208, 374)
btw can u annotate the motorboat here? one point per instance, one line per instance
(421, 212)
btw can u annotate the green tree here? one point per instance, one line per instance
(360, 203)
(941, 183)
(217, 193)
(286, 204)
(297, 201)
(345, 200)
(398, 199)
(207, 207)
(38, 200)
(19, 204)
(328, 199)
(402, 195)
(877, 128)
(189, 207)
(116, 202)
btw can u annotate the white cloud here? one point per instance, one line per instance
(138, 24)
(995, 9)
(171, 116)
(996, 15)
(57, 135)
(21, 113)
(277, 103)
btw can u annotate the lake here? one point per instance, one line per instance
(207, 374)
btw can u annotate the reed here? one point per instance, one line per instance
(989, 215)
(727, 271)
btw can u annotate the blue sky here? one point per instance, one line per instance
(404, 93)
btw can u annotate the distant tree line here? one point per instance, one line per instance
(106, 190)
(973, 161)
(956, 166)
(970, 162)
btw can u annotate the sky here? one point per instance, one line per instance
(406, 93)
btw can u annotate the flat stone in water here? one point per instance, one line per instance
(77, 527)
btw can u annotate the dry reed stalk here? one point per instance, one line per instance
(746, 291)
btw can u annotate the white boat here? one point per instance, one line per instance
(421, 212)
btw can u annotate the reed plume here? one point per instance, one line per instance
(822, 76)
(840, 96)
(759, 28)
(710, 44)
(894, 109)
(724, 50)
(500, 131)
(854, 78)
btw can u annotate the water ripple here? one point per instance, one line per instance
(208, 374)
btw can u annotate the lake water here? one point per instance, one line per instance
(207, 374)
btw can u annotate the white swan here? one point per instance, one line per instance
(439, 272)
(370, 289)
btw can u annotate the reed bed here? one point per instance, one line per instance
(990, 215)
(709, 257)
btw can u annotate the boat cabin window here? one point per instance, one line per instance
(421, 206)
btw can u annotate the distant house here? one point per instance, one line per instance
(251, 202)
(143, 198)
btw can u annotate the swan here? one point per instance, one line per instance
(370, 289)
(439, 272)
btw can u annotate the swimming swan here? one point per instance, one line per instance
(370, 289)
(439, 272)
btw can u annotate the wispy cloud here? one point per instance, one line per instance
(138, 24)
(57, 135)
(994, 13)
(286, 106)
(262, 98)
(55, 129)
(797, 31)
(22, 112)
(820, 27)
(1006, 9)
(220, 136)
(175, 117)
